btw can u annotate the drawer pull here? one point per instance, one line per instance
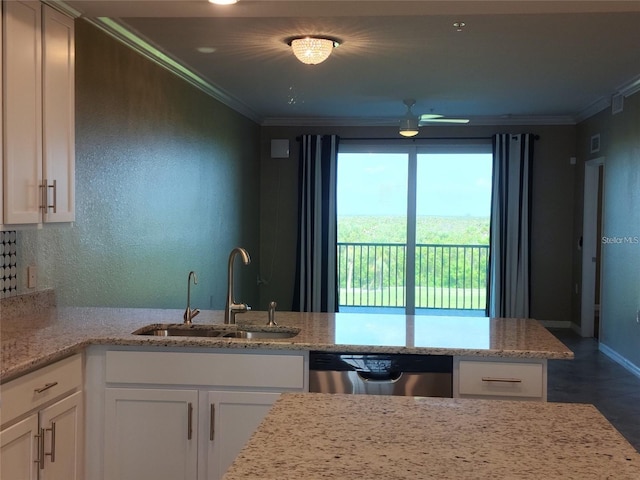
(212, 422)
(46, 387)
(52, 454)
(503, 380)
(40, 445)
(189, 421)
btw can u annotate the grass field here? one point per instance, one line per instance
(426, 297)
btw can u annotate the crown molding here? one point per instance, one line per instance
(630, 87)
(592, 109)
(63, 7)
(627, 89)
(136, 42)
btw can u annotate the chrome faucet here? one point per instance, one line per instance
(232, 308)
(272, 314)
(188, 313)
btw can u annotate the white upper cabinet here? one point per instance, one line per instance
(22, 112)
(38, 107)
(1, 119)
(58, 115)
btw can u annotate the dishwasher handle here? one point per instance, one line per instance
(391, 377)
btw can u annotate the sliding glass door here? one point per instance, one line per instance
(413, 227)
(372, 229)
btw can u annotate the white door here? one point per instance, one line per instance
(151, 433)
(19, 450)
(63, 444)
(233, 417)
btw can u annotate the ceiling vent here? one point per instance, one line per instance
(617, 103)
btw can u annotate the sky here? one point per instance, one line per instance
(447, 184)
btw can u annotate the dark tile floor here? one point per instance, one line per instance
(594, 378)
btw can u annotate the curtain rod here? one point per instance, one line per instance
(535, 137)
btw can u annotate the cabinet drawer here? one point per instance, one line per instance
(217, 369)
(507, 379)
(34, 389)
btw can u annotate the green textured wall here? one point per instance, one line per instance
(167, 181)
(620, 291)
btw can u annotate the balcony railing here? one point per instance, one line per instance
(446, 276)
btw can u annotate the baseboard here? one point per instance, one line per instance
(555, 323)
(616, 357)
(576, 328)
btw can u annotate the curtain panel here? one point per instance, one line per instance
(509, 257)
(316, 273)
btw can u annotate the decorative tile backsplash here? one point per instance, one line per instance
(8, 270)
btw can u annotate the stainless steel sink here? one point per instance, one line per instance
(225, 331)
(268, 332)
(183, 330)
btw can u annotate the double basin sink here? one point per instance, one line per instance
(248, 332)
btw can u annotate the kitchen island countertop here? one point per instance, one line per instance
(325, 436)
(40, 338)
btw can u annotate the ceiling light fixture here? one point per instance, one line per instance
(312, 50)
(223, 2)
(409, 123)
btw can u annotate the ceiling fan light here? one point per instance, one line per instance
(408, 127)
(312, 50)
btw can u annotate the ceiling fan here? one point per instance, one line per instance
(410, 122)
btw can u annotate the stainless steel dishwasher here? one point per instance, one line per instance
(381, 374)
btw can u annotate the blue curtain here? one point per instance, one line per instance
(509, 257)
(316, 273)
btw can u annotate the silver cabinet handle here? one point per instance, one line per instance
(45, 196)
(189, 421)
(40, 459)
(55, 197)
(212, 421)
(46, 386)
(504, 380)
(52, 454)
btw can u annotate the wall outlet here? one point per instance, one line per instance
(32, 276)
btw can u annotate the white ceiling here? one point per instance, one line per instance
(516, 61)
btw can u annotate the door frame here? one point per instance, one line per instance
(589, 245)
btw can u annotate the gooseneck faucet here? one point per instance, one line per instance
(189, 314)
(232, 308)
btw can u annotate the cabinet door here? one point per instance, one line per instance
(19, 450)
(23, 112)
(233, 417)
(1, 118)
(63, 426)
(58, 114)
(151, 433)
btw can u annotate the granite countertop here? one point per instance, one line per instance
(31, 341)
(328, 436)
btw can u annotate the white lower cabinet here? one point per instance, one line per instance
(186, 416)
(46, 442)
(500, 378)
(150, 433)
(233, 417)
(18, 449)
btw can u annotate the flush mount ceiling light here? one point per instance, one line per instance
(312, 50)
(223, 2)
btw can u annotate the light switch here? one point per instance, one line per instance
(32, 276)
